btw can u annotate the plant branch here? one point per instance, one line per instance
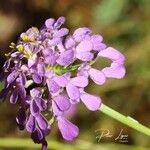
(127, 120)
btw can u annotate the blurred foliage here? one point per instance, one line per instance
(27, 144)
(125, 25)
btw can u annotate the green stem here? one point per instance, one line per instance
(127, 120)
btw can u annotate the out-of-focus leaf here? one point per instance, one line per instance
(54, 145)
(108, 11)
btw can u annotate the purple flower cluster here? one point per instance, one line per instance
(46, 74)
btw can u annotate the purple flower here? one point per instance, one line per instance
(92, 102)
(66, 58)
(47, 73)
(87, 43)
(60, 104)
(96, 75)
(37, 103)
(117, 69)
(68, 130)
(73, 88)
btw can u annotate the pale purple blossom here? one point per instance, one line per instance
(47, 73)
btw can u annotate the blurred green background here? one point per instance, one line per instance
(125, 25)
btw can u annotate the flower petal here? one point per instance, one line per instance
(63, 102)
(53, 87)
(66, 58)
(69, 43)
(73, 91)
(56, 110)
(14, 97)
(22, 78)
(96, 38)
(50, 59)
(49, 22)
(59, 22)
(68, 130)
(30, 125)
(61, 80)
(40, 69)
(84, 46)
(21, 91)
(7, 63)
(97, 42)
(42, 122)
(112, 54)
(35, 92)
(80, 33)
(79, 81)
(114, 71)
(97, 76)
(41, 104)
(35, 111)
(85, 56)
(37, 136)
(12, 76)
(60, 33)
(36, 78)
(92, 102)
(31, 62)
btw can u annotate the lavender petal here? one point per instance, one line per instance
(12, 77)
(56, 110)
(31, 124)
(37, 136)
(60, 33)
(72, 91)
(112, 54)
(114, 71)
(40, 69)
(79, 81)
(84, 46)
(61, 80)
(35, 92)
(14, 97)
(85, 56)
(92, 102)
(21, 91)
(49, 23)
(63, 102)
(42, 122)
(66, 58)
(97, 76)
(53, 87)
(81, 33)
(37, 78)
(59, 22)
(22, 78)
(68, 130)
(69, 43)
(50, 59)
(35, 111)
(97, 42)
(41, 104)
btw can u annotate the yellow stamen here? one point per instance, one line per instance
(12, 45)
(35, 29)
(7, 54)
(20, 48)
